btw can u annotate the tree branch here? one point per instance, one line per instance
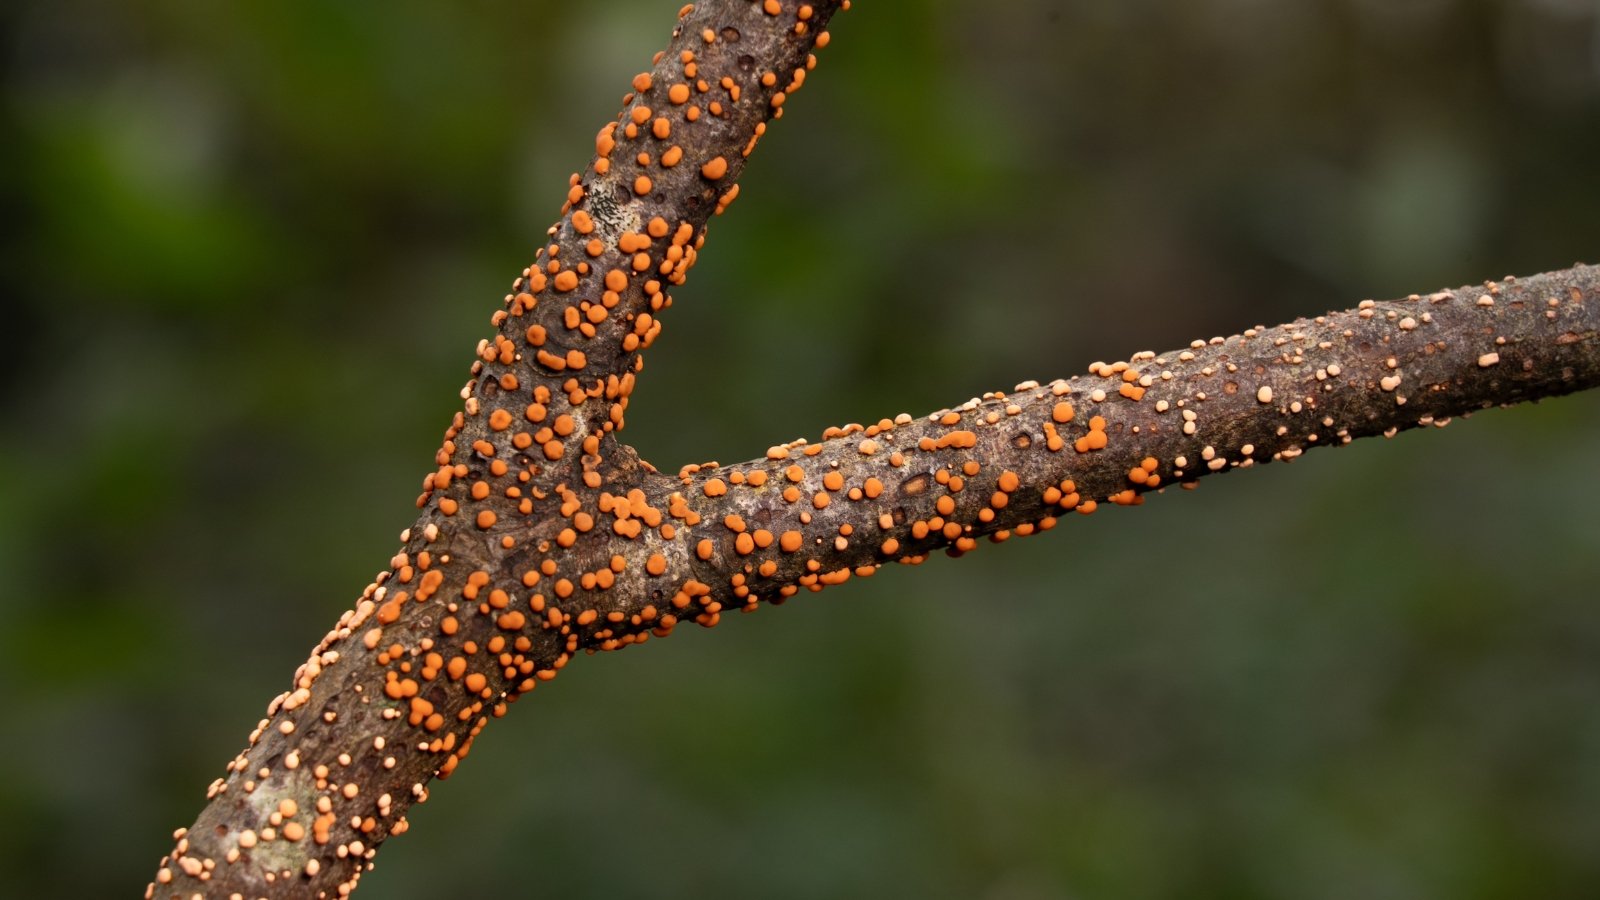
(541, 537)
(812, 514)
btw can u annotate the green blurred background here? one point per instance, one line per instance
(258, 241)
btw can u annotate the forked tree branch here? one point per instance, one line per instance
(542, 537)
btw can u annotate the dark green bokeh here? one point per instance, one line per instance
(259, 240)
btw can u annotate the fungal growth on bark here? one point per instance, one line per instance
(542, 538)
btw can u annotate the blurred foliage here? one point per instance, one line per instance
(254, 243)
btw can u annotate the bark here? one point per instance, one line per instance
(541, 537)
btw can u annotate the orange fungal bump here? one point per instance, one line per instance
(715, 169)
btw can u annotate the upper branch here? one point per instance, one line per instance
(570, 335)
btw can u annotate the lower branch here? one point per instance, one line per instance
(812, 514)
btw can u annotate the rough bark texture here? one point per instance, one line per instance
(541, 537)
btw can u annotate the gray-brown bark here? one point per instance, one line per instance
(542, 537)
